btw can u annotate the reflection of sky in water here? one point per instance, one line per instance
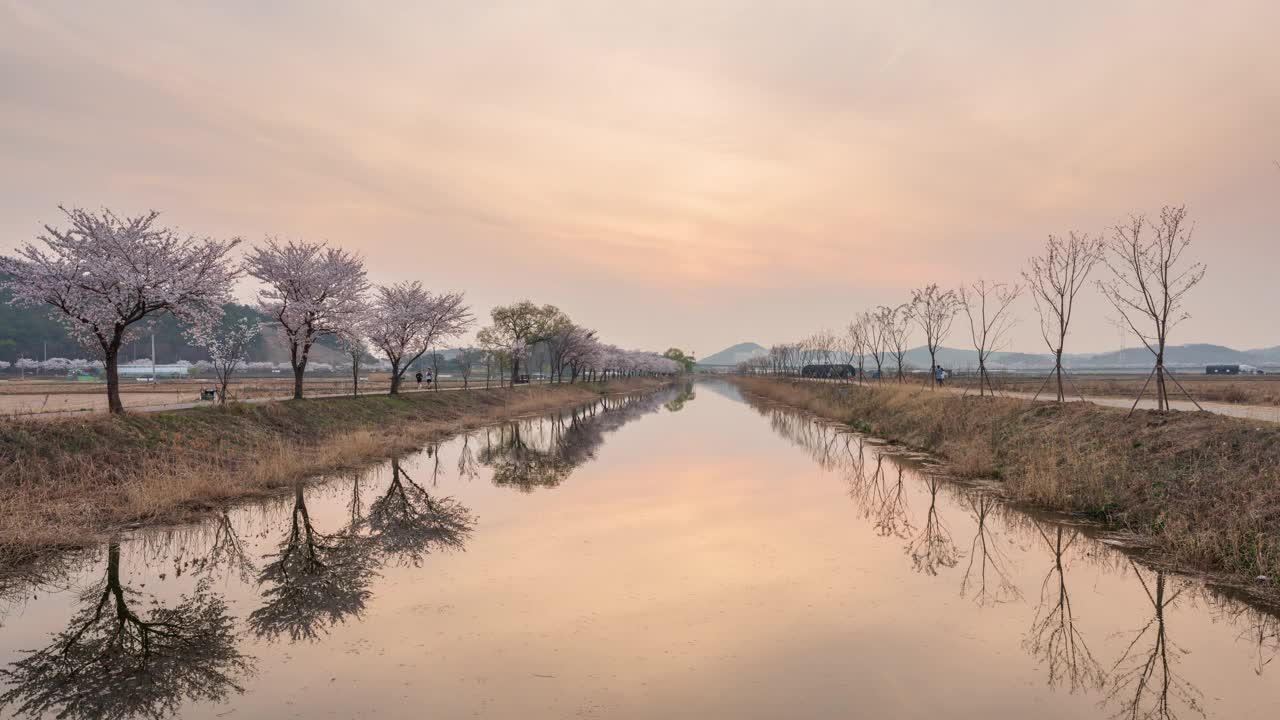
(700, 563)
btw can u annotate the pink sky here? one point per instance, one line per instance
(670, 173)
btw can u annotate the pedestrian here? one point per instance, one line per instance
(418, 377)
(939, 374)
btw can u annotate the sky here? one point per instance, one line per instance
(690, 174)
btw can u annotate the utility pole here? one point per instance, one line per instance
(153, 357)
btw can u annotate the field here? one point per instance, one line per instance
(1234, 389)
(39, 396)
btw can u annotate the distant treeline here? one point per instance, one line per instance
(32, 332)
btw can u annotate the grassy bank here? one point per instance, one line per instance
(1202, 490)
(72, 481)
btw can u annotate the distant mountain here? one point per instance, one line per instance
(1190, 355)
(734, 354)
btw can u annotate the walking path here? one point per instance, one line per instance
(1270, 413)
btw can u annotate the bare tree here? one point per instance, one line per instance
(467, 358)
(878, 323)
(1150, 281)
(934, 310)
(1054, 279)
(987, 306)
(896, 323)
(857, 342)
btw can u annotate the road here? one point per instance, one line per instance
(1269, 413)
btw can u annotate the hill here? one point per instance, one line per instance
(734, 354)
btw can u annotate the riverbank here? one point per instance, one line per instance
(1202, 491)
(71, 482)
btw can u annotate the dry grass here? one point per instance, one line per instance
(1203, 489)
(71, 481)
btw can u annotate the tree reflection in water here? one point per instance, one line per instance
(226, 552)
(407, 523)
(933, 547)
(1054, 637)
(314, 580)
(1261, 629)
(531, 454)
(684, 394)
(115, 661)
(468, 466)
(1144, 683)
(986, 576)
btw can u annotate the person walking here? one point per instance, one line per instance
(418, 377)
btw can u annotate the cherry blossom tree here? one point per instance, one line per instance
(352, 339)
(311, 290)
(228, 348)
(406, 320)
(110, 276)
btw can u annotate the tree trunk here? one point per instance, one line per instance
(1057, 370)
(297, 381)
(515, 371)
(1162, 394)
(355, 375)
(395, 377)
(111, 361)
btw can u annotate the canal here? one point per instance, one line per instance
(684, 554)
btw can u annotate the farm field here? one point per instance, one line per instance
(1232, 389)
(37, 396)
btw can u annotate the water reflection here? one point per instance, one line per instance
(986, 578)
(406, 523)
(933, 547)
(810, 586)
(1142, 680)
(541, 453)
(123, 656)
(314, 579)
(1055, 637)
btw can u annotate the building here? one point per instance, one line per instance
(157, 371)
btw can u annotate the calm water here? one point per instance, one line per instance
(658, 556)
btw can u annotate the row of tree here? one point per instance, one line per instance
(107, 277)
(1149, 280)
